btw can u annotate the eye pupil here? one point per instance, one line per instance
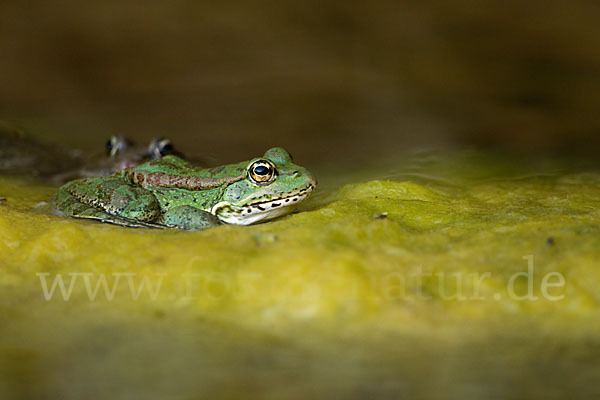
(261, 170)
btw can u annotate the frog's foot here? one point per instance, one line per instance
(189, 218)
(76, 209)
(109, 200)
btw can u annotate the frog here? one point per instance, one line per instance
(123, 147)
(172, 193)
(120, 153)
(22, 155)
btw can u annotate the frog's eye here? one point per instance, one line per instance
(116, 145)
(160, 147)
(262, 172)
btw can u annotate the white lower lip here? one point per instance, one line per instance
(256, 216)
(268, 211)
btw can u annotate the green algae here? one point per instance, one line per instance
(406, 268)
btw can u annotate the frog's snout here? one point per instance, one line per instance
(312, 179)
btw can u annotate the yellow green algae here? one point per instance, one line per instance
(392, 281)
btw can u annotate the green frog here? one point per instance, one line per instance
(20, 154)
(120, 153)
(172, 193)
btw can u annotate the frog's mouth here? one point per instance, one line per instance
(261, 210)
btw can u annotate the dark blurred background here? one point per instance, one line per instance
(329, 80)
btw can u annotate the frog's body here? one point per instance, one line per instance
(170, 192)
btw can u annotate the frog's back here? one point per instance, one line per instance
(166, 164)
(173, 165)
(174, 172)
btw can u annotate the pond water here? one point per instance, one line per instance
(432, 275)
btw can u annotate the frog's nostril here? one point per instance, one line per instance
(295, 173)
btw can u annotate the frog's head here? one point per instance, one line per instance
(272, 186)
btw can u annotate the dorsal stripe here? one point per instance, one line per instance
(162, 180)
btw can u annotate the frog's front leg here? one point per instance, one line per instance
(189, 218)
(110, 199)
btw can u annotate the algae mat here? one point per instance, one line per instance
(430, 276)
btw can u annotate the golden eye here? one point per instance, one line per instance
(262, 171)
